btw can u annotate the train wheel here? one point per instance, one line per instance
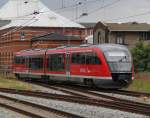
(89, 82)
(47, 81)
(17, 76)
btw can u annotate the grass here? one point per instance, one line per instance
(13, 84)
(141, 82)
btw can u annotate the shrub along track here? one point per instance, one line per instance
(88, 98)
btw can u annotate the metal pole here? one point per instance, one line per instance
(62, 3)
(76, 11)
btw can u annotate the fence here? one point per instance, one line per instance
(6, 71)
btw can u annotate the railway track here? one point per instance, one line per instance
(33, 110)
(128, 93)
(120, 92)
(80, 88)
(99, 100)
(54, 87)
(86, 93)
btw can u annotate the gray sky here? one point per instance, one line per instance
(104, 10)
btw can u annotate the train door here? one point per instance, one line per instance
(27, 64)
(36, 66)
(78, 66)
(93, 64)
(68, 66)
(85, 64)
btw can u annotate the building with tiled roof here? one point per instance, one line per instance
(54, 40)
(131, 26)
(121, 33)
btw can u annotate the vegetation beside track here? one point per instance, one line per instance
(13, 84)
(141, 56)
(141, 82)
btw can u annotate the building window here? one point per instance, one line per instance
(56, 62)
(85, 58)
(22, 36)
(99, 37)
(120, 38)
(59, 31)
(91, 32)
(144, 36)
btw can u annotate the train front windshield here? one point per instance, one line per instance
(119, 60)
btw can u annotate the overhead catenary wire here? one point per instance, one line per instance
(76, 18)
(35, 13)
(23, 17)
(105, 6)
(21, 26)
(66, 8)
(130, 16)
(98, 9)
(26, 23)
(62, 9)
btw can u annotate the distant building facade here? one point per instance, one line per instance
(125, 33)
(89, 32)
(52, 40)
(21, 40)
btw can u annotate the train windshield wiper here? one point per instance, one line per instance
(124, 57)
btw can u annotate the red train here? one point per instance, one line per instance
(106, 65)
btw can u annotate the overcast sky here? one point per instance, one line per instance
(101, 10)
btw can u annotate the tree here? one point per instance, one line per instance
(141, 57)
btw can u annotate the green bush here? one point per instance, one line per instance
(141, 57)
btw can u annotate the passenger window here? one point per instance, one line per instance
(78, 58)
(85, 58)
(19, 60)
(36, 63)
(56, 62)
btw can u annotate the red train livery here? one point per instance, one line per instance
(106, 65)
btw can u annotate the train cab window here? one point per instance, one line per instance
(36, 63)
(92, 58)
(19, 60)
(56, 62)
(85, 58)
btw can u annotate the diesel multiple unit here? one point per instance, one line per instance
(106, 65)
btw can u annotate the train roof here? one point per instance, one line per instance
(30, 52)
(107, 47)
(103, 47)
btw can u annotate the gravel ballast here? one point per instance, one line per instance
(5, 113)
(82, 110)
(48, 90)
(136, 99)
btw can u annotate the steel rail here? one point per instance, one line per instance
(130, 93)
(37, 106)
(127, 103)
(108, 103)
